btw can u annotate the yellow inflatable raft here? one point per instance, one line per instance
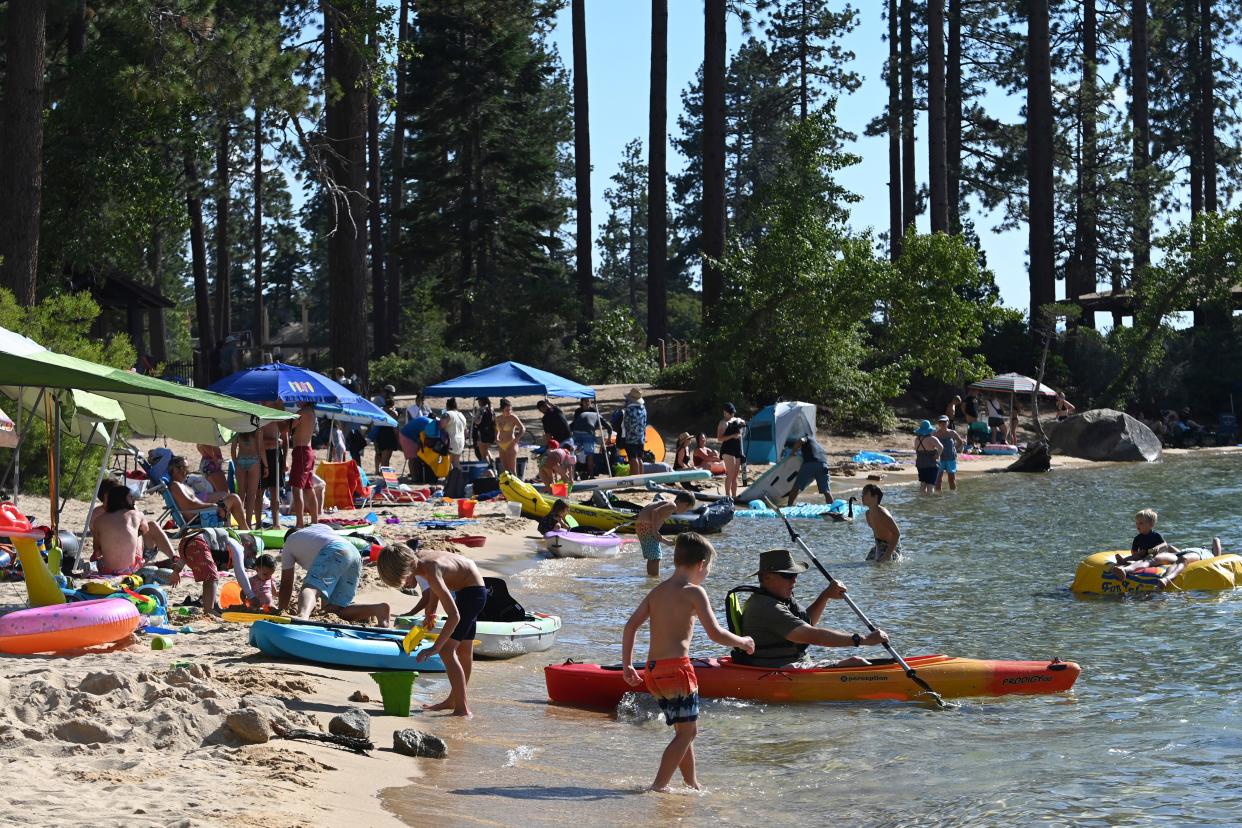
(1095, 576)
(535, 505)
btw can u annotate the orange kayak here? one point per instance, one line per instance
(593, 685)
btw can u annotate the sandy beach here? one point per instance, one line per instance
(137, 736)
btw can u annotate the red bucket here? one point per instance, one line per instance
(465, 508)
(560, 489)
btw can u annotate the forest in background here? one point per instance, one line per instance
(414, 177)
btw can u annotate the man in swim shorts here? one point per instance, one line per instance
(207, 551)
(650, 518)
(333, 566)
(302, 469)
(783, 630)
(452, 581)
(814, 469)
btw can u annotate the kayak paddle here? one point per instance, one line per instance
(910, 673)
(249, 617)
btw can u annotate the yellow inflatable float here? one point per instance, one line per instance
(1095, 576)
(535, 505)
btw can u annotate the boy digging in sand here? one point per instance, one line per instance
(883, 527)
(647, 527)
(671, 607)
(454, 581)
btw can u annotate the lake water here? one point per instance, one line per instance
(1151, 734)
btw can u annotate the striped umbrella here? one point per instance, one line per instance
(1013, 384)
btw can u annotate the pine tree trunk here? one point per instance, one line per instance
(1194, 146)
(223, 312)
(156, 323)
(1140, 118)
(1084, 280)
(1039, 157)
(657, 178)
(21, 148)
(346, 130)
(1207, 104)
(714, 50)
(257, 230)
(198, 266)
(381, 344)
(582, 170)
(953, 118)
(909, 188)
(804, 94)
(396, 193)
(896, 228)
(936, 172)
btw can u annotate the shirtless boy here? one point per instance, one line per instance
(302, 469)
(671, 608)
(650, 518)
(883, 527)
(450, 580)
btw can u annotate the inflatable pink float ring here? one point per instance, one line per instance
(67, 626)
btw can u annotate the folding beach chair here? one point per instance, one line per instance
(196, 519)
(393, 491)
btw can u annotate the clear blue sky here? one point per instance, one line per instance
(618, 47)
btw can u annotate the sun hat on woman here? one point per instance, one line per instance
(924, 429)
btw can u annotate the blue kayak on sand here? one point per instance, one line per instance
(341, 648)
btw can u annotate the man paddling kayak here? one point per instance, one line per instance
(782, 630)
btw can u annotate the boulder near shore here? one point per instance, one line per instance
(1105, 434)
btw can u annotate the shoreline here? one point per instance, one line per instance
(281, 783)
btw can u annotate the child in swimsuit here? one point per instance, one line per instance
(261, 582)
(554, 520)
(647, 527)
(671, 608)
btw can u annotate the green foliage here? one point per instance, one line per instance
(933, 320)
(803, 299)
(614, 351)
(61, 323)
(681, 377)
(422, 357)
(1201, 262)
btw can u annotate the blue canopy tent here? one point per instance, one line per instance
(509, 379)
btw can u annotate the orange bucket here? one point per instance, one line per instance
(560, 489)
(465, 508)
(230, 595)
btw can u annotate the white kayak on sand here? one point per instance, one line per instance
(633, 481)
(583, 545)
(506, 639)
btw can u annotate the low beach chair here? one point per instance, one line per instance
(197, 519)
(393, 491)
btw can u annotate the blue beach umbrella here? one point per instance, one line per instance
(361, 412)
(289, 384)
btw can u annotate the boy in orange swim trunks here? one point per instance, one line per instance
(672, 607)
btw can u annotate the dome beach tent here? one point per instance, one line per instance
(773, 427)
(150, 406)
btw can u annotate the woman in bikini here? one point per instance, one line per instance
(682, 457)
(509, 430)
(212, 466)
(251, 466)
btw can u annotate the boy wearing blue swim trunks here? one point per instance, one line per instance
(669, 674)
(333, 566)
(650, 518)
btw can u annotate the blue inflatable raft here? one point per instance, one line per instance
(342, 648)
(805, 511)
